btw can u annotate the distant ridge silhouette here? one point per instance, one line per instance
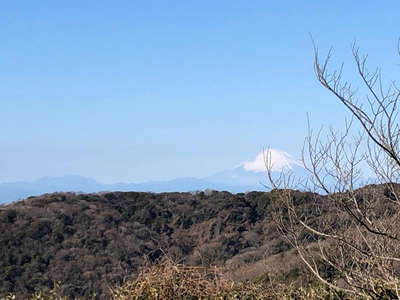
(237, 180)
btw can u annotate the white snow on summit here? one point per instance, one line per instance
(278, 159)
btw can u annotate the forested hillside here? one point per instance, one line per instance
(88, 242)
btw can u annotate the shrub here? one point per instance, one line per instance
(168, 280)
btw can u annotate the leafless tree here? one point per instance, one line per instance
(349, 227)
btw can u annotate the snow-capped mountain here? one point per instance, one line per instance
(254, 172)
(248, 176)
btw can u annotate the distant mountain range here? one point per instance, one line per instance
(249, 176)
(19, 190)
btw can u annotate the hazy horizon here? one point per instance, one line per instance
(280, 160)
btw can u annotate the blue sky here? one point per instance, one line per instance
(149, 90)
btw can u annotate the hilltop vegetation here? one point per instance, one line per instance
(89, 242)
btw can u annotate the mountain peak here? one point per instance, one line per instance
(278, 160)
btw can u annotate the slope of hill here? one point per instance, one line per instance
(89, 241)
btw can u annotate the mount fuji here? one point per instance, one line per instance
(254, 173)
(248, 176)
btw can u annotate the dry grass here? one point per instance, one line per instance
(168, 280)
(171, 281)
